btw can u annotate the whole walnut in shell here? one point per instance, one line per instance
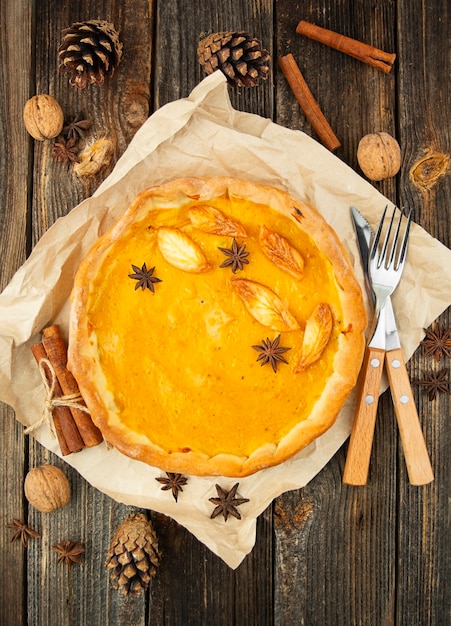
(379, 156)
(43, 117)
(47, 488)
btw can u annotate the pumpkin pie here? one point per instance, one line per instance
(217, 328)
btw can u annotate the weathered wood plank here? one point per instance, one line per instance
(355, 98)
(180, 27)
(340, 555)
(335, 548)
(335, 545)
(15, 50)
(193, 586)
(424, 571)
(83, 593)
(200, 588)
(116, 110)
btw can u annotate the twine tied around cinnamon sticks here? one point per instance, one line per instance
(51, 401)
(72, 421)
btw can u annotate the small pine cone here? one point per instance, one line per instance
(133, 556)
(89, 51)
(239, 55)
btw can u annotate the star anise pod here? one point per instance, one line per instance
(435, 382)
(69, 552)
(172, 481)
(23, 532)
(76, 127)
(236, 256)
(65, 151)
(226, 502)
(270, 352)
(145, 277)
(437, 342)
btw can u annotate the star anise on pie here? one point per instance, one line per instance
(23, 532)
(65, 150)
(69, 552)
(236, 256)
(271, 352)
(226, 502)
(435, 382)
(76, 127)
(173, 481)
(437, 342)
(145, 277)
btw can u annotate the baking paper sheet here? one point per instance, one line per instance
(202, 135)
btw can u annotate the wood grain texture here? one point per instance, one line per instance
(424, 572)
(356, 99)
(414, 446)
(361, 439)
(15, 144)
(344, 554)
(179, 28)
(90, 517)
(195, 587)
(327, 554)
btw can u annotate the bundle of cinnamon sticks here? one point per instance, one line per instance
(72, 422)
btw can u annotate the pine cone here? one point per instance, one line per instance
(89, 51)
(239, 55)
(133, 556)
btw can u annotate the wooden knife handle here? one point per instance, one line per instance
(361, 440)
(415, 451)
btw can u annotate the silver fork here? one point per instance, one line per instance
(385, 269)
(385, 266)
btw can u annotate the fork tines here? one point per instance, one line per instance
(398, 251)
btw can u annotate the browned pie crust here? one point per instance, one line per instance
(332, 375)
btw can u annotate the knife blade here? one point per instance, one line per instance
(361, 439)
(415, 451)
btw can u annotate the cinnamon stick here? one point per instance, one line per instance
(307, 102)
(56, 350)
(354, 48)
(69, 438)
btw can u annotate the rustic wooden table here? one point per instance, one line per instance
(327, 554)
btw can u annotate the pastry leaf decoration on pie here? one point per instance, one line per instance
(316, 336)
(281, 252)
(264, 305)
(212, 221)
(181, 251)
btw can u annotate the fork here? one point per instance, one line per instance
(385, 267)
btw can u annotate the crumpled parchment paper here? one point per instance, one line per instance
(203, 135)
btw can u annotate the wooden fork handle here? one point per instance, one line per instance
(361, 440)
(415, 451)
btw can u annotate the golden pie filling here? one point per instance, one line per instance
(217, 328)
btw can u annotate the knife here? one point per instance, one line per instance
(364, 234)
(415, 451)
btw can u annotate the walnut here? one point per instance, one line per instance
(47, 488)
(43, 117)
(379, 156)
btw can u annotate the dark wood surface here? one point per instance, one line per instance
(325, 555)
